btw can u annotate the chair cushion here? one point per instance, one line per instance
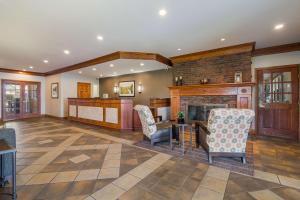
(164, 132)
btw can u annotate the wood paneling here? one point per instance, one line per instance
(242, 91)
(124, 106)
(159, 102)
(277, 49)
(242, 48)
(83, 90)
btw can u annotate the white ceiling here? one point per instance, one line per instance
(120, 67)
(34, 30)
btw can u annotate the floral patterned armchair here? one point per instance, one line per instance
(226, 132)
(149, 127)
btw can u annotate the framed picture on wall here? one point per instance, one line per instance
(54, 90)
(127, 89)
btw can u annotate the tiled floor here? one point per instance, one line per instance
(58, 159)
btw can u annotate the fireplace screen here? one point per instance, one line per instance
(201, 112)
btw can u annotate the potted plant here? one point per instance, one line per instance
(180, 118)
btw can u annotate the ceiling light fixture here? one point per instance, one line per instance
(223, 39)
(142, 64)
(66, 52)
(132, 70)
(99, 37)
(30, 67)
(111, 65)
(101, 75)
(162, 12)
(94, 69)
(278, 26)
(178, 49)
(80, 72)
(45, 61)
(24, 70)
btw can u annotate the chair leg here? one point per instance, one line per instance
(210, 159)
(152, 143)
(244, 159)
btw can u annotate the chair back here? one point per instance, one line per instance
(147, 120)
(229, 128)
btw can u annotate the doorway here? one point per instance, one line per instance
(83, 90)
(20, 99)
(277, 97)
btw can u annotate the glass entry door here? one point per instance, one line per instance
(20, 99)
(277, 100)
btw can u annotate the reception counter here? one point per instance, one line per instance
(109, 113)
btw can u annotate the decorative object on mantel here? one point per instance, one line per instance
(204, 81)
(180, 81)
(238, 77)
(127, 89)
(176, 80)
(180, 117)
(140, 88)
(116, 89)
(54, 90)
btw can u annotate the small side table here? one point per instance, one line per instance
(7, 149)
(181, 129)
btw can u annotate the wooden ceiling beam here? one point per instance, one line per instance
(277, 49)
(241, 48)
(14, 71)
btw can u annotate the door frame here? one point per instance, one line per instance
(256, 93)
(21, 82)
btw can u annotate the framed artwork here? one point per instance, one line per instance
(54, 90)
(238, 78)
(127, 89)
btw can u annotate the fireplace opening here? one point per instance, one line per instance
(201, 112)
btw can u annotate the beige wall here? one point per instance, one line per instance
(67, 89)
(155, 84)
(22, 77)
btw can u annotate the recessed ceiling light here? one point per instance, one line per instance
(66, 52)
(111, 65)
(132, 70)
(94, 69)
(45, 61)
(278, 26)
(30, 67)
(99, 37)
(24, 70)
(101, 75)
(80, 72)
(162, 12)
(223, 39)
(178, 49)
(142, 64)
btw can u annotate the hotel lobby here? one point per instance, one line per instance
(104, 100)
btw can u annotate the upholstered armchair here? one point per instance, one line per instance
(226, 132)
(149, 126)
(7, 134)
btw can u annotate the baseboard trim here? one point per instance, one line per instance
(52, 116)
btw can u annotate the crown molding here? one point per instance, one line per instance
(14, 71)
(114, 56)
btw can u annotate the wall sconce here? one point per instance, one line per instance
(116, 89)
(140, 88)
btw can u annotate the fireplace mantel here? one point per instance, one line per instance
(242, 91)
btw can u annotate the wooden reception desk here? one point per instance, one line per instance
(109, 113)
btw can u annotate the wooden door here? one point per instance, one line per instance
(277, 102)
(20, 99)
(83, 90)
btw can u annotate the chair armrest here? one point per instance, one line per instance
(203, 126)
